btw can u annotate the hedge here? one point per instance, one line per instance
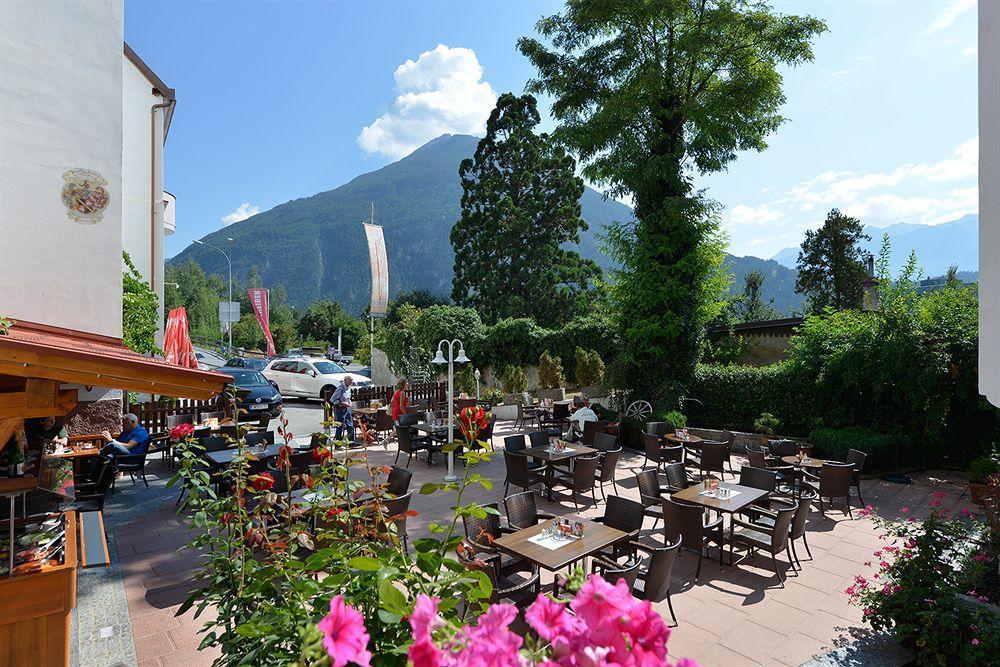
(732, 397)
(881, 448)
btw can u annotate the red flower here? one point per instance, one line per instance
(181, 431)
(308, 481)
(262, 482)
(472, 421)
(321, 454)
(284, 452)
(226, 518)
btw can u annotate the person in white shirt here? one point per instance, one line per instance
(582, 413)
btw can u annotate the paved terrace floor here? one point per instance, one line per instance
(733, 616)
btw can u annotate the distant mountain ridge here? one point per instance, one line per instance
(937, 246)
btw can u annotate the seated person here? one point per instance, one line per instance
(46, 431)
(133, 440)
(582, 413)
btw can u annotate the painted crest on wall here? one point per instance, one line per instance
(85, 195)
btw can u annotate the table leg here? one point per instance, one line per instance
(10, 544)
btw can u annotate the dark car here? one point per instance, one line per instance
(255, 395)
(246, 362)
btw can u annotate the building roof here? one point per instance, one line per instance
(162, 89)
(781, 327)
(33, 350)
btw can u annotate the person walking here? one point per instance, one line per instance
(400, 399)
(343, 409)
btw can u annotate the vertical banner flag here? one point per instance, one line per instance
(177, 348)
(380, 269)
(258, 300)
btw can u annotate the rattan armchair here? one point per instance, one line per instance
(650, 494)
(686, 522)
(834, 482)
(606, 470)
(771, 539)
(522, 510)
(653, 582)
(625, 515)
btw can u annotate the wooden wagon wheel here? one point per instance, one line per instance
(640, 410)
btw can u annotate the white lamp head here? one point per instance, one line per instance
(462, 359)
(439, 358)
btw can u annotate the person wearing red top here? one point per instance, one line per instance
(400, 400)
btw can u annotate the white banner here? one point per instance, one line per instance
(380, 269)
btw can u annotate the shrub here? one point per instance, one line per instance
(589, 367)
(881, 448)
(550, 372)
(981, 468)
(494, 395)
(674, 419)
(513, 379)
(465, 379)
(766, 423)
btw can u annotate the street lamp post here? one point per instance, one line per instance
(451, 360)
(229, 304)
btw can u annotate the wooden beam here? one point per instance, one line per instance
(8, 426)
(102, 378)
(44, 400)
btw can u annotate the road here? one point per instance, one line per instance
(304, 416)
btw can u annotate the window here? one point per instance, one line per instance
(328, 367)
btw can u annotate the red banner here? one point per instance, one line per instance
(258, 301)
(177, 348)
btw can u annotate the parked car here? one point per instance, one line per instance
(255, 393)
(246, 362)
(312, 377)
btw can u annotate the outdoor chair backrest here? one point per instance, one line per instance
(410, 419)
(609, 462)
(798, 527)
(517, 469)
(604, 442)
(230, 431)
(673, 454)
(683, 521)
(560, 411)
(856, 457)
(757, 478)
(624, 514)
(398, 482)
(584, 473)
(476, 528)
(214, 443)
(527, 399)
(658, 428)
(713, 455)
(539, 438)
(781, 525)
(779, 448)
(177, 420)
(398, 507)
(729, 438)
(462, 403)
(514, 443)
(265, 421)
(835, 480)
(591, 429)
(676, 475)
(522, 511)
(487, 433)
(657, 572)
(613, 572)
(756, 458)
(383, 421)
(403, 439)
(651, 442)
(254, 438)
(649, 487)
(299, 462)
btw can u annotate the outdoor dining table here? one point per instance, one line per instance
(741, 496)
(78, 455)
(530, 545)
(552, 457)
(223, 457)
(689, 440)
(810, 463)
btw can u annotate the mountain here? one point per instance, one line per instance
(315, 246)
(779, 281)
(937, 246)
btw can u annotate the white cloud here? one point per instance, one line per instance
(442, 92)
(753, 215)
(946, 18)
(242, 212)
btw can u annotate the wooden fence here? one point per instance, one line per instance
(153, 415)
(419, 392)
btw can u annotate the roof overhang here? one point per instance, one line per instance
(33, 350)
(163, 90)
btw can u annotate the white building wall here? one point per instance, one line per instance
(142, 236)
(60, 109)
(989, 200)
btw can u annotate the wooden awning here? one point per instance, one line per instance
(40, 351)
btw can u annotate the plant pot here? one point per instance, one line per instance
(978, 493)
(557, 394)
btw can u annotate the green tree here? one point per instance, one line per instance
(831, 264)
(647, 94)
(751, 306)
(139, 311)
(322, 319)
(419, 298)
(520, 207)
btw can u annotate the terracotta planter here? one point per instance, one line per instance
(978, 493)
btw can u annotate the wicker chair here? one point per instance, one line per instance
(857, 458)
(602, 441)
(606, 471)
(780, 448)
(481, 531)
(712, 458)
(410, 446)
(659, 429)
(759, 478)
(834, 482)
(614, 572)
(517, 587)
(653, 582)
(729, 438)
(677, 477)
(519, 473)
(797, 529)
(650, 494)
(686, 522)
(538, 439)
(581, 479)
(522, 511)
(771, 539)
(515, 445)
(384, 426)
(590, 429)
(396, 509)
(398, 482)
(654, 455)
(673, 454)
(625, 515)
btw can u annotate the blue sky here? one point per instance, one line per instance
(280, 100)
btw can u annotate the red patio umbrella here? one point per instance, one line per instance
(177, 347)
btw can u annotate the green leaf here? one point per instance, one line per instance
(365, 563)
(392, 598)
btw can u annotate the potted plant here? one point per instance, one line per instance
(15, 460)
(766, 425)
(676, 420)
(979, 472)
(550, 377)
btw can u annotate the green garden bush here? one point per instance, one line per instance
(881, 448)
(513, 379)
(550, 372)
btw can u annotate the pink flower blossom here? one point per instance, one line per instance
(904, 510)
(981, 558)
(975, 642)
(424, 618)
(344, 634)
(551, 619)
(938, 495)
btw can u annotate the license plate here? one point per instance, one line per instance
(262, 406)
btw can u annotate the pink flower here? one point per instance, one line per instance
(981, 558)
(424, 619)
(423, 653)
(905, 510)
(975, 642)
(344, 634)
(551, 619)
(938, 495)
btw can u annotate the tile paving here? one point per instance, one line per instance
(733, 616)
